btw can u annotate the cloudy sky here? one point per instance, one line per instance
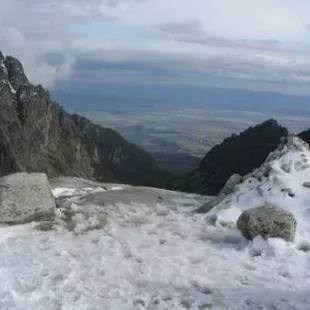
(253, 44)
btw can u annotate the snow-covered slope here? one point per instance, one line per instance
(283, 180)
(152, 252)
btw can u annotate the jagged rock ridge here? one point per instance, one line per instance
(237, 154)
(282, 181)
(38, 135)
(305, 136)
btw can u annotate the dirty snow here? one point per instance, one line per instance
(125, 254)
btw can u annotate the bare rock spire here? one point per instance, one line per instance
(16, 74)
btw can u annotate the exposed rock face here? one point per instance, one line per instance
(267, 221)
(305, 136)
(237, 154)
(25, 197)
(15, 72)
(37, 135)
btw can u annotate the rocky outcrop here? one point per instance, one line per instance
(231, 184)
(267, 221)
(15, 72)
(38, 135)
(288, 145)
(25, 197)
(229, 188)
(237, 154)
(305, 136)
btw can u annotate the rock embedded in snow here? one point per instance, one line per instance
(228, 189)
(63, 203)
(63, 208)
(267, 221)
(25, 197)
(281, 181)
(208, 206)
(231, 183)
(44, 226)
(306, 184)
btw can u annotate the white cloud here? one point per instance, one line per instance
(264, 43)
(29, 29)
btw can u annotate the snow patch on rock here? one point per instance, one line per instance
(281, 181)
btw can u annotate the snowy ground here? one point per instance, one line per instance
(151, 255)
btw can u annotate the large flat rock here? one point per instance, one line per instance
(25, 197)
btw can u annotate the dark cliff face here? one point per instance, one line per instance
(305, 135)
(37, 134)
(237, 154)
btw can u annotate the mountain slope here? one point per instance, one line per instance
(237, 154)
(37, 135)
(283, 180)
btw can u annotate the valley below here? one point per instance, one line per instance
(179, 137)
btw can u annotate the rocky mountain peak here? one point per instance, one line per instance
(282, 181)
(271, 123)
(290, 143)
(291, 154)
(15, 71)
(3, 71)
(305, 136)
(38, 135)
(236, 154)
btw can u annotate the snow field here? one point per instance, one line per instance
(157, 256)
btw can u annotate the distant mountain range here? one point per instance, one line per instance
(108, 97)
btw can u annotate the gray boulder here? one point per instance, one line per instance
(306, 184)
(229, 188)
(208, 206)
(25, 198)
(267, 221)
(231, 183)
